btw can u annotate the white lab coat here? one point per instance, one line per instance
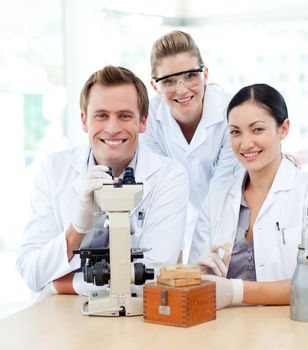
(42, 256)
(285, 203)
(208, 156)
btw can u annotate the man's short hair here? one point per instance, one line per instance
(115, 76)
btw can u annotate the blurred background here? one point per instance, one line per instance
(49, 48)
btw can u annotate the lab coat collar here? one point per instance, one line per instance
(285, 176)
(214, 111)
(283, 181)
(147, 164)
(144, 167)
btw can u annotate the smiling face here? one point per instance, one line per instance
(113, 123)
(185, 104)
(255, 137)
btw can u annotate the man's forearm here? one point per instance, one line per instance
(64, 284)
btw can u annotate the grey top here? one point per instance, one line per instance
(242, 263)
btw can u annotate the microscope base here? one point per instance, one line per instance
(102, 303)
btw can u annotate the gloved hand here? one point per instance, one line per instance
(228, 291)
(88, 211)
(216, 261)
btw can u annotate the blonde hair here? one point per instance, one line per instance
(171, 44)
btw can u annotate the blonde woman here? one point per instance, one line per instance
(187, 117)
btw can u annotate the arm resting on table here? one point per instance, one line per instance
(64, 284)
(267, 293)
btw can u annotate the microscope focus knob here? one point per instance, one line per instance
(142, 274)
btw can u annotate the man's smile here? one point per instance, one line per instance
(113, 142)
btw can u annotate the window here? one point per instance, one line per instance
(32, 100)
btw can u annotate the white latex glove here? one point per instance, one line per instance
(88, 211)
(216, 261)
(228, 291)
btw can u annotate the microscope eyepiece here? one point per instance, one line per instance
(128, 176)
(110, 172)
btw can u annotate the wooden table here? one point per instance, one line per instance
(56, 323)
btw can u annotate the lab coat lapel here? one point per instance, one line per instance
(236, 193)
(79, 160)
(224, 231)
(148, 164)
(171, 127)
(213, 112)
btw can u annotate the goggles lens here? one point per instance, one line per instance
(190, 79)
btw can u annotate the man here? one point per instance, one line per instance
(114, 109)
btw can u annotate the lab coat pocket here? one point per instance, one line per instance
(289, 237)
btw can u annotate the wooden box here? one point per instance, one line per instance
(179, 306)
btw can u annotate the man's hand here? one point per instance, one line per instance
(88, 211)
(216, 261)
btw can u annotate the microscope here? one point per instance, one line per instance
(114, 266)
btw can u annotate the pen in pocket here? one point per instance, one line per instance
(282, 232)
(141, 215)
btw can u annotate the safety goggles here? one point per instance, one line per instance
(190, 78)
